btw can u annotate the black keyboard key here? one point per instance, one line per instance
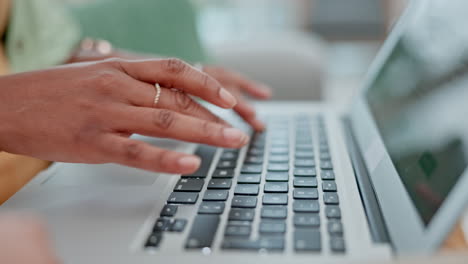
(323, 146)
(248, 168)
(244, 201)
(211, 208)
(223, 173)
(335, 228)
(169, 210)
(229, 155)
(246, 189)
(183, 198)
(305, 172)
(239, 223)
(275, 199)
(189, 185)
(254, 160)
(258, 143)
(162, 224)
(249, 178)
(325, 156)
(337, 244)
(279, 151)
(306, 206)
(329, 186)
(304, 163)
(178, 225)
(272, 227)
(215, 195)
(279, 159)
(255, 151)
(304, 154)
(226, 164)
(307, 240)
(306, 220)
(327, 175)
(305, 193)
(274, 212)
(237, 230)
(304, 141)
(241, 214)
(154, 240)
(278, 167)
(331, 198)
(220, 184)
(305, 182)
(277, 176)
(203, 231)
(333, 211)
(326, 165)
(206, 153)
(304, 147)
(268, 243)
(276, 187)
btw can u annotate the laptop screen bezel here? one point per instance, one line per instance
(408, 232)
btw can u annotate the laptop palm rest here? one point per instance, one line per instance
(102, 174)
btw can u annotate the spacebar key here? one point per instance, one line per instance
(203, 231)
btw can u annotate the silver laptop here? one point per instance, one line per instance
(386, 178)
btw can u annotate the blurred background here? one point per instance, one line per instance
(304, 49)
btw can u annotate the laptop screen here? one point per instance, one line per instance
(419, 100)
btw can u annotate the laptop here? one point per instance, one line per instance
(386, 178)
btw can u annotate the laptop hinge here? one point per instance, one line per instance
(374, 215)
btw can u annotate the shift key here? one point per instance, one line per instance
(203, 231)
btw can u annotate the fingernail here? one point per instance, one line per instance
(189, 162)
(227, 97)
(259, 125)
(235, 135)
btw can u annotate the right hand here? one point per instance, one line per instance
(85, 113)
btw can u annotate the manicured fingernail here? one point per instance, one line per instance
(235, 135)
(227, 97)
(189, 162)
(259, 125)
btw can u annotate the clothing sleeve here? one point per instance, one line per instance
(40, 34)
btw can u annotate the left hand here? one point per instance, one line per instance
(239, 85)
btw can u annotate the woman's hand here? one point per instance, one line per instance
(239, 85)
(24, 241)
(86, 112)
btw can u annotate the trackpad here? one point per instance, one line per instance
(66, 174)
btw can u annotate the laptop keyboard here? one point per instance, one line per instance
(279, 176)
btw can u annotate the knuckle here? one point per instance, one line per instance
(105, 81)
(132, 151)
(175, 66)
(183, 101)
(112, 62)
(163, 161)
(85, 133)
(163, 118)
(206, 129)
(205, 80)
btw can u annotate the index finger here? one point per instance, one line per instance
(174, 73)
